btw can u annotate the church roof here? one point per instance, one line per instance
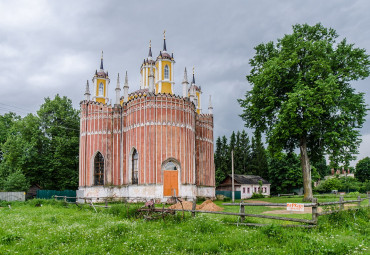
(164, 55)
(101, 74)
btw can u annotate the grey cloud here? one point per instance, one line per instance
(49, 47)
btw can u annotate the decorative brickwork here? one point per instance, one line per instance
(147, 145)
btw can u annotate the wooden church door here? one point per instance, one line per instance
(170, 179)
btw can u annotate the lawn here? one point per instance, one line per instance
(58, 228)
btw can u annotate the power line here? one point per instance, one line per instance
(8, 108)
(20, 108)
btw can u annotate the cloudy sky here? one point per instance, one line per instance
(50, 47)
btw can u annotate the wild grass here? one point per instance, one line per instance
(60, 228)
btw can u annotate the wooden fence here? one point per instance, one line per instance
(315, 214)
(13, 196)
(311, 222)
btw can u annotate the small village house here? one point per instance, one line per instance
(246, 185)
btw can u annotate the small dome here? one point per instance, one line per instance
(102, 74)
(164, 55)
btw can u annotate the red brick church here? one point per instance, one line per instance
(151, 143)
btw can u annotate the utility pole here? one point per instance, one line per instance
(232, 177)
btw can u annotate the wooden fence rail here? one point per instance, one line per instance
(315, 214)
(312, 222)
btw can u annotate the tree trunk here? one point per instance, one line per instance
(306, 171)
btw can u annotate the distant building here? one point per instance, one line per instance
(245, 184)
(148, 143)
(32, 191)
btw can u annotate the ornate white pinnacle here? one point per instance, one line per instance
(125, 89)
(126, 80)
(185, 84)
(87, 91)
(210, 107)
(118, 90)
(151, 80)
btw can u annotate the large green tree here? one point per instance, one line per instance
(43, 148)
(301, 96)
(363, 170)
(60, 126)
(258, 162)
(284, 173)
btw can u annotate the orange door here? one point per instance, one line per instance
(170, 183)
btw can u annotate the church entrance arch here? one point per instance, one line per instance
(170, 168)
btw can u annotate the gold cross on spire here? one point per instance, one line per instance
(101, 54)
(150, 43)
(193, 69)
(164, 34)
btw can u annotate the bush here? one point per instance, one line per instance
(123, 210)
(16, 182)
(354, 194)
(257, 195)
(227, 199)
(365, 187)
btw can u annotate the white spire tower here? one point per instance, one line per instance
(185, 84)
(125, 89)
(151, 80)
(210, 107)
(118, 90)
(192, 94)
(87, 91)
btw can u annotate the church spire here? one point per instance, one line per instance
(101, 61)
(185, 84)
(118, 90)
(87, 91)
(210, 107)
(150, 49)
(193, 81)
(151, 80)
(164, 41)
(125, 89)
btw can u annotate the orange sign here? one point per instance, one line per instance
(295, 207)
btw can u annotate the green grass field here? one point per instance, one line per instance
(59, 228)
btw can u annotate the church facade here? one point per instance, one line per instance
(151, 143)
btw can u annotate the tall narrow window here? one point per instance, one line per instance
(101, 89)
(135, 157)
(166, 72)
(99, 169)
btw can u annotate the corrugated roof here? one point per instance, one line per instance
(248, 179)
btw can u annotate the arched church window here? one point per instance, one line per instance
(99, 169)
(101, 89)
(166, 72)
(135, 157)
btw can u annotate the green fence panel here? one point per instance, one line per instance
(228, 193)
(49, 194)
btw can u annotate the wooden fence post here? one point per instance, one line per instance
(242, 210)
(314, 210)
(359, 201)
(162, 211)
(65, 198)
(106, 203)
(341, 206)
(194, 207)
